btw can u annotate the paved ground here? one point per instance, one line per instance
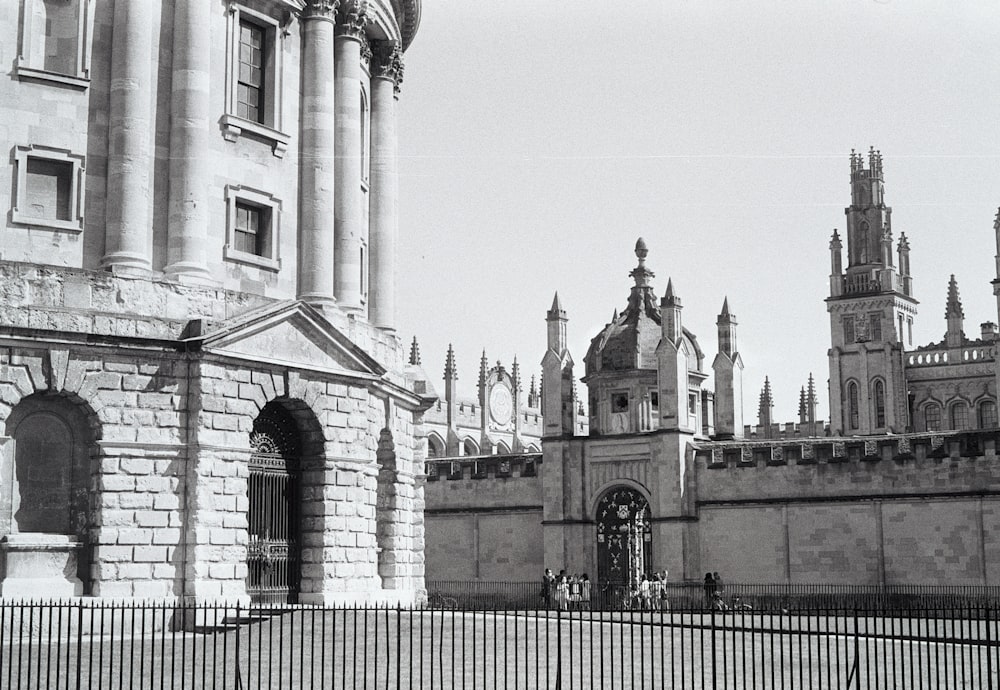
(450, 649)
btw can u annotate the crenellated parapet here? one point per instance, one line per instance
(478, 467)
(871, 450)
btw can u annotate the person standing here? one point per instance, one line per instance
(548, 584)
(585, 592)
(709, 589)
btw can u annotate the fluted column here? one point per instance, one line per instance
(187, 231)
(347, 203)
(128, 243)
(317, 154)
(387, 73)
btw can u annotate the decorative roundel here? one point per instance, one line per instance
(501, 404)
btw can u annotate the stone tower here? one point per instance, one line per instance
(728, 368)
(871, 310)
(558, 404)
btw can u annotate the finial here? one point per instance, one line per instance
(954, 306)
(614, 316)
(835, 242)
(450, 370)
(996, 221)
(640, 249)
(904, 243)
(725, 306)
(415, 352)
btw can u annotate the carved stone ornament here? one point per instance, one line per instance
(353, 19)
(321, 9)
(366, 50)
(388, 62)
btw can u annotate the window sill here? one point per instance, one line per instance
(32, 74)
(34, 221)
(230, 254)
(234, 127)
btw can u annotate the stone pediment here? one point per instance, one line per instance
(289, 334)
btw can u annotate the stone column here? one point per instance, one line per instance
(190, 170)
(387, 73)
(128, 242)
(347, 204)
(317, 154)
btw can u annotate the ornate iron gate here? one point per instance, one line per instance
(624, 536)
(274, 543)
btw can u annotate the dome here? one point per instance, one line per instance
(630, 340)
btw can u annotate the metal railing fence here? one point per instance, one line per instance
(692, 596)
(113, 646)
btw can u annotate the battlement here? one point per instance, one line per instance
(901, 448)
(788, 430)
(510, 466)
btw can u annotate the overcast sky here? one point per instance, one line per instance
(539, 139)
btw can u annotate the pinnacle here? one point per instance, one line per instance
(670, 289)
(725, 306)
(415, 352)
(557, 310)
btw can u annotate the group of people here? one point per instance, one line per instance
(713, 591)
(650, 592)
(565, 592)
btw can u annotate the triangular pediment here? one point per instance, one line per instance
(288, 334)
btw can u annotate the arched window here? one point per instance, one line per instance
(959, 416)
(863, 242)
(987, 415)
(932, 417)
(878, 397)
(624, 536)
(852, 405)
(435, 447)
(502, 448)
(470, 447)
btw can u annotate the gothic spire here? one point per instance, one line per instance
(954, 306)
(415, 352)
(450, 371)
(515, 373)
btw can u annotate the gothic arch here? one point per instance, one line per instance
(502, 448)
(623, 534)
(596, 497)
(470, 447)
(435, 446)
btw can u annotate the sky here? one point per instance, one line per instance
(539, 140)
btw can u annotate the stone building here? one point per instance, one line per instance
(201, 390)
(901, 487)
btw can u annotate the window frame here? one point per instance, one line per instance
(25, 70)
(76, 218)
(240, 195)
(938, 416)
(853, 406)
(849, 322)
(275, 30)
(953, 421)
(981, 417)
(878, 398)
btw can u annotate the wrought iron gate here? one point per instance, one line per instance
(274, 544)
(624, 536)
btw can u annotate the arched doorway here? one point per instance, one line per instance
(274, 545)
(624, 536)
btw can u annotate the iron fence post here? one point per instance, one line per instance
(714, 685)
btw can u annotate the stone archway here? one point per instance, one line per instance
(274, 543)
(624, 535)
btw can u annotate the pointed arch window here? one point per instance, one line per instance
(852, 404)
(932, 417)
(878, 396)
(959, 416)
(988, 415)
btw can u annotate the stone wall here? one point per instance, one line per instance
(488, 528)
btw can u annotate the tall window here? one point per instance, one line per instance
(901, 332)
(932, 417)
(878, 393)
(959, 416)
(250, 83)
(852, 404)
(849, 333)
(254, 44)
(875, 327)
(987, 415)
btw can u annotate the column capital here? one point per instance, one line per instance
(321, 9)
(387, 62)
(353, 19)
